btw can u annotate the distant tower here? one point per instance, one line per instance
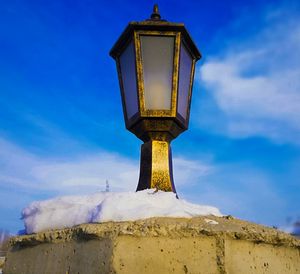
(107, 186)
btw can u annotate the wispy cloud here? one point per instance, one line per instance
(74, 175)
(243, 191)
(256, 82)
(26, 176)
(236, 189)
(82, 174)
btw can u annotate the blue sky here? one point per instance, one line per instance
(61, 121)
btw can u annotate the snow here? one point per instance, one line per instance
(67, 211)
(211, 222)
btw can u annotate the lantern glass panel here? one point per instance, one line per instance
(128, 74)
(157, 60)
(185, 70)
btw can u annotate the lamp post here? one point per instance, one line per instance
(156, 61)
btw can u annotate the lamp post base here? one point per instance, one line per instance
(156, 166)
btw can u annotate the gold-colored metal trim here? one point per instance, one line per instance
(176, 74)
(156, 166)
(139, 69)
(191, 83)
(161, 26)
(190, 93)
(185, 121)
(141, 89)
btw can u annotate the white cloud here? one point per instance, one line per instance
(243, 191)
(256, 83)
(26, 177)
(188, 172)
(76, 175)
(84, 174)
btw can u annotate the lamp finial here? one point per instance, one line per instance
(155, 14)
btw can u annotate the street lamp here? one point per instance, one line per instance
(155, 61)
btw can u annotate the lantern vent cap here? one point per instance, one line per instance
(155, 23)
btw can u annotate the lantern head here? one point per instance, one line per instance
(156, 61)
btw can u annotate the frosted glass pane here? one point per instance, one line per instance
(157, 57)
(185, 69)
(127, 63)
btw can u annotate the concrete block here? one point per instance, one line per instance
(203, 245)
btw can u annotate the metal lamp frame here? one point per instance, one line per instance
(157, 128)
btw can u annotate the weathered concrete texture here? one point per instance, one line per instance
(157, 245)
(2, 260)
(246, 257)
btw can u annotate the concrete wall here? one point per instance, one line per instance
(157, 245)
